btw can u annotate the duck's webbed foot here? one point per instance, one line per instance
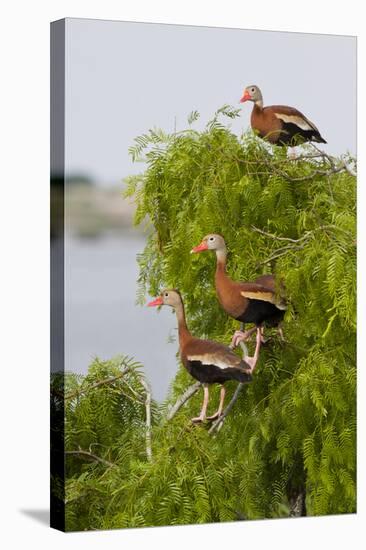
(198, 419)
(241, 336)
(214, 416)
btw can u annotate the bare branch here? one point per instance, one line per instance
(305, 236)
(297, 505)
(336, 166)
(136, 395)
(294, 243)
(148, 418)
(191, 390)
(78, 392)
(281, 252)
(90, 456)
(304, 157)
(334, 170)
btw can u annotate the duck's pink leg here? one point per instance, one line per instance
(221, 405)
(263, 339)
(252, 361)
(202, 415)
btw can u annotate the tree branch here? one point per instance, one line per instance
(297, 505)
(335, 166)
(191, 390)
(334, 170)
(78, 392)
(275, 237)
(90, 456)
(136, 395)
(148, 418)
(281, 252)
(294, 243)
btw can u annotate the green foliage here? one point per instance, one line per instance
(293, 430)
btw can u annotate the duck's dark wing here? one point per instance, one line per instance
(256, 291)
(294, 122)
(213, 362)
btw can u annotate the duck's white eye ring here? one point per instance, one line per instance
(166, 294)
(211, 238)
(252, 90)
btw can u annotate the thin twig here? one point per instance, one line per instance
(136, 395)
(317, 172)
(306, 235)
(304, 157)
(295, 246)
(334, 168)
(272, 236)
(325, 155)
(90, 456)
(148, 418)
(281, 252)
(191, 390)
(313, 174)
(78, 392)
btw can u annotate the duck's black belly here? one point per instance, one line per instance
(293, 135)
(259, 312)
(212, 374)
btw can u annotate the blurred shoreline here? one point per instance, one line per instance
(92, 211)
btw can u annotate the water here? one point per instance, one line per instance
(101, 317)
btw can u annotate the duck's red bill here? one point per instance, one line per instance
(245, 97)
(157, 302)
(199, 248)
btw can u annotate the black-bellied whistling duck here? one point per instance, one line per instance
(255, 302)
(205, 360)
(279, 124)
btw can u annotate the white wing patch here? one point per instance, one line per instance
(265, 297)
(281, 305)
(209, 359)
(302, 123)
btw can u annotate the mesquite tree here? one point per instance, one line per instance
(287, 447)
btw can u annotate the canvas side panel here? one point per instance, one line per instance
(57, 152)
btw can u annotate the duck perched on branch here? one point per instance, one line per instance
(279, 124)
(207, 361)
(255, 302)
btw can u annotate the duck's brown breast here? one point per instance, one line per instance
(266, 123)
(228, 293)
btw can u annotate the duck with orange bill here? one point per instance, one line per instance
(207, 361)
(279, 124)
(248, 302)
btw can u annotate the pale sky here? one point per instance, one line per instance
(124, 78)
